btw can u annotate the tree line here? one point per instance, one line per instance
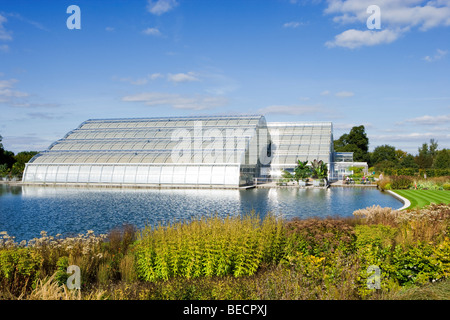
(13, 165)
(388, 157)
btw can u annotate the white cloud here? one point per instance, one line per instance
(356, 38)
(397, 17)
(8, 93)
(349, 126)
(182, 77)
(155, 76)
(161, 6)
(191, 102)
(325, 93)
(109, 29)
(136, 82)
(395, 13)
(430, 120)
(290, 109)
(344, 94)
(7, 83)
(152, 32)
(4, 34)
(292, 24)
(412, 137)
(437, 56)
(12, 97)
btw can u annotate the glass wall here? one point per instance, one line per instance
(304, 141)
(161, 151)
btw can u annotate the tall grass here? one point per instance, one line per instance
(214, 246)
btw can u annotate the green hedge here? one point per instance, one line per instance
(417, 172)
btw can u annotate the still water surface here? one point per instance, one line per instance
(25, 211)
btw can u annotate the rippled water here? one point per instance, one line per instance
(25, 210)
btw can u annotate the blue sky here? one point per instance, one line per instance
(290, 60)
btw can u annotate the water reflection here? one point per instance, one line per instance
(25, 211)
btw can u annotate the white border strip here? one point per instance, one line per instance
(406, 202)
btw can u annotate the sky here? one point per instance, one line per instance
(385, 67)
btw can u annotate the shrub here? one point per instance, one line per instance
(315, 236)
(379, 235)
(446, 186)
(19, 269)
(384, 184)
(401, 182)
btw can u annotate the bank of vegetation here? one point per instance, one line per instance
(242, 257)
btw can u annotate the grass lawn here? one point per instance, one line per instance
(421, 198)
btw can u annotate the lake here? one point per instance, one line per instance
(27, 210)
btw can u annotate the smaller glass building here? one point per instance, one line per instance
(304, 141)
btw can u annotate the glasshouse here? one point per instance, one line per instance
(304, 141)
(196, 151)
(205, 151)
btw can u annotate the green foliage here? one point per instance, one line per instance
(383, 153)
(420, 263)
(355, 141)
(427, 155)
(61, 273)
(21, 159)
(442, 159)
(4, 170)
(319, 169)
(446, 186)
(287, 176)
(302, 171)
(207, 247)
(377, 235)
(417, 172)
(19, 269)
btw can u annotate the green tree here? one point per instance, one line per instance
(442, 160)
(425, 157)
(355, 141)
(408, 162)
(6, 157)
(383, 153)
(21, 159)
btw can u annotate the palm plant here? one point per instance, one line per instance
(319, 169)
(302, 171)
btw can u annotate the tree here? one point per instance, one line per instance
(355, 141)
(425, 157)
(383, 153)
(21, 159)
(442, 160)
(408, 162)
(6, 157)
